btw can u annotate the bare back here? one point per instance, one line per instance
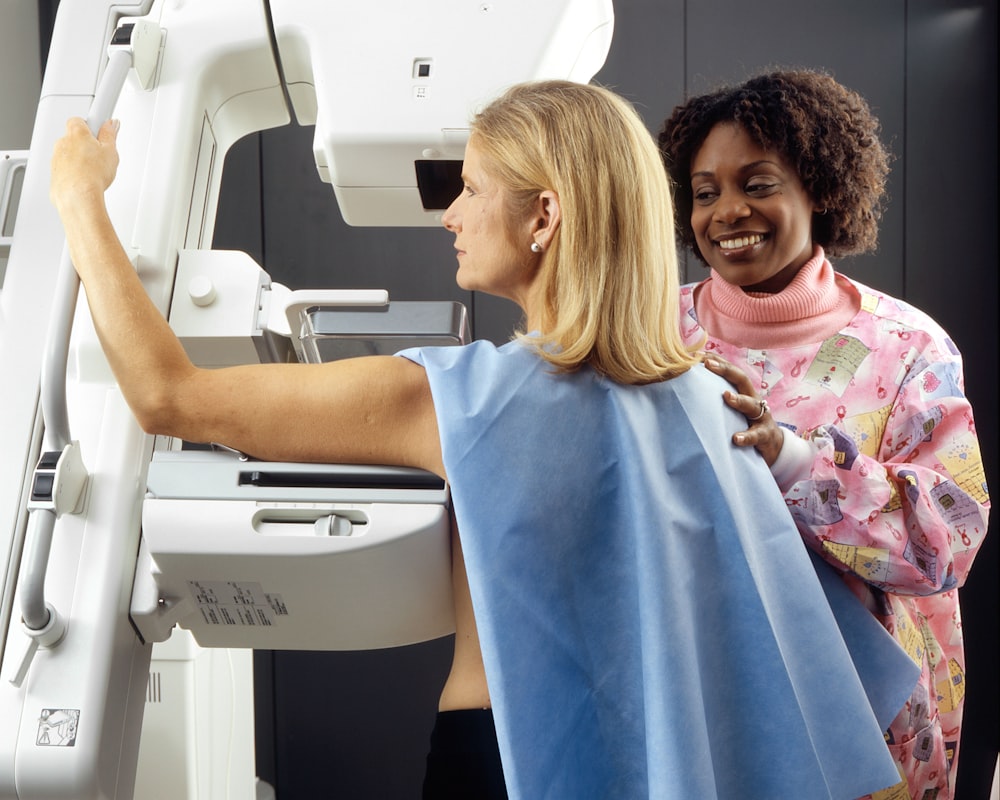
(466, 684)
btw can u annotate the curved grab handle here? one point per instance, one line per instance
(67, 288)
(132, 43)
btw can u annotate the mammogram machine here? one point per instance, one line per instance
(119, 549)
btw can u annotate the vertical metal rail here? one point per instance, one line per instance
(60, 467)
(35, 612)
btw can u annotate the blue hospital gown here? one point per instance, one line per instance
(650, 621)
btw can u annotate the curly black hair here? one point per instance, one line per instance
(824, 130)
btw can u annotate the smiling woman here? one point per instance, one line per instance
(752, 217)
(854, 398)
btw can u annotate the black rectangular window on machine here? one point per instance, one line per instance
(439, 182)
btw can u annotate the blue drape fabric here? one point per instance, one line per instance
(651, 622)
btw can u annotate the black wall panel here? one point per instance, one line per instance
(950, 196)
(355, 725)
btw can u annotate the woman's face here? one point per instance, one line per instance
(751, 215)
(490, 257)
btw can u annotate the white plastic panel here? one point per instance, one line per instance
(396, 82)
(266, 575)
(198, 729)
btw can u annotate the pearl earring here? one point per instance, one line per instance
(536, 247)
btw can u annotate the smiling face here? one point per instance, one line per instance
(494, 254)
(751, 216)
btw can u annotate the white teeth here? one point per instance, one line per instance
(743, 241)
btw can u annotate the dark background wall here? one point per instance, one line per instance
(355, 725)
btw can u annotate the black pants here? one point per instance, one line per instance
(464, 759)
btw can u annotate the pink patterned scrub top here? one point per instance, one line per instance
(895, 495)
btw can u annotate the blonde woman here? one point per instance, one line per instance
(635, 611)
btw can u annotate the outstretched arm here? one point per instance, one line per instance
(366, 410)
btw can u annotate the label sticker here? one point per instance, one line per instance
(57, 727)
(236, 603)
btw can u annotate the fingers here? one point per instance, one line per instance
(744, 399)
(751, 407)
(762, 432)
(108, 133)
(75, 125)
(737, 377)
(768, 440)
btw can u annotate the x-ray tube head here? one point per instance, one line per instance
(382, 104)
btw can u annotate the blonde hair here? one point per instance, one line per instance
(609, 278)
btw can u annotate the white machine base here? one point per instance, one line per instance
(198, 728)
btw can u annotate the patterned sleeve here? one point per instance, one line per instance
(898, 496)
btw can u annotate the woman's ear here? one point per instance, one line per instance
(545, 221)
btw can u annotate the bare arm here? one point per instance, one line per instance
(367, 410)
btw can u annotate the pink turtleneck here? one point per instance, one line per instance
(814, 306)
